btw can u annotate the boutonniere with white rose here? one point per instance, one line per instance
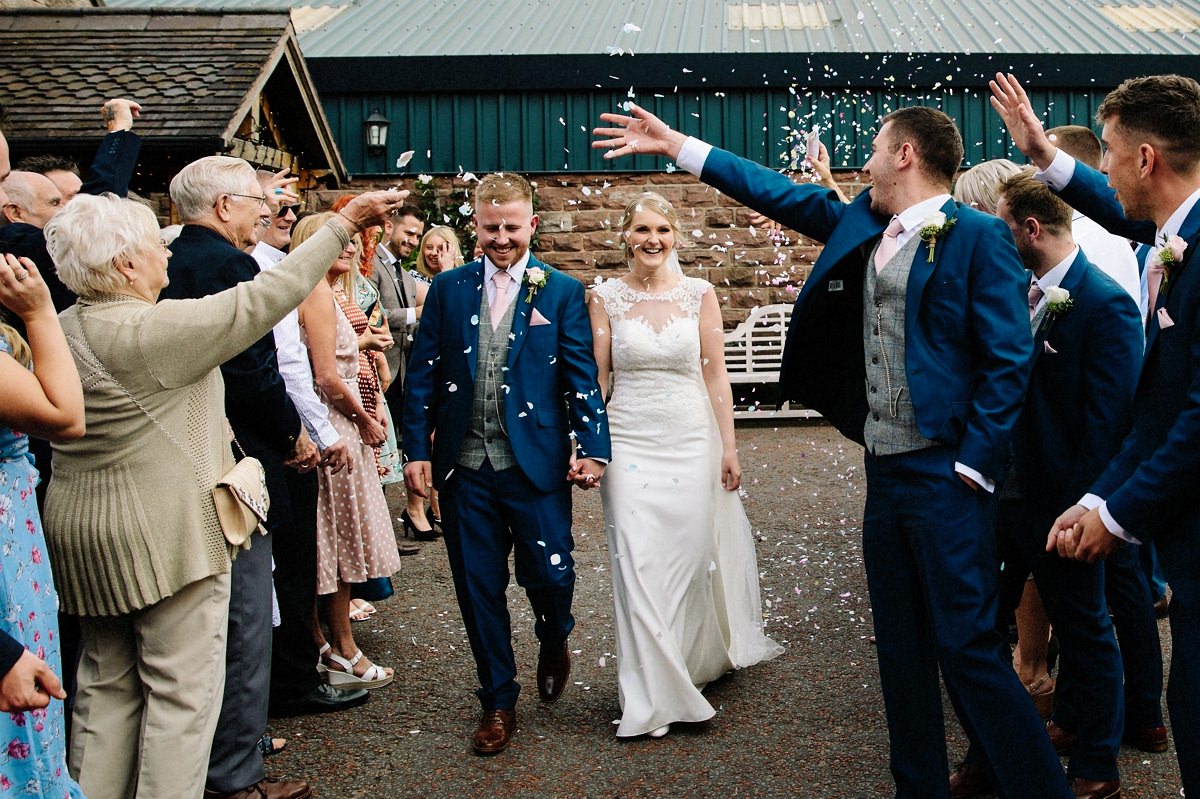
(536, 277)
(933, 228)
(1170, 255)
(1058, 302)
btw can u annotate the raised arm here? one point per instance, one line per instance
(1012, 104)
(116, 159)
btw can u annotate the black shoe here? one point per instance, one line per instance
(322, 699)
(418, 534)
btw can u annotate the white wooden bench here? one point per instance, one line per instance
(753, 351)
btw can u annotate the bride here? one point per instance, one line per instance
(685, 579)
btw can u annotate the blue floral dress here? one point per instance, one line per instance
(33, 759)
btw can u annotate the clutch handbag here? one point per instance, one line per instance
(240, 495)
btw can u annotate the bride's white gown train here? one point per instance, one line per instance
(685, 576)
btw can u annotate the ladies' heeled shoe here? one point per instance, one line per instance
(660, 732)
(1041, 691)
(411, 529)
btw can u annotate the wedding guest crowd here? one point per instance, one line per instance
(1011, 346)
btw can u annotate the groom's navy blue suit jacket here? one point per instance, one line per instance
(1151, 484)
(968, 346)
(552, 393)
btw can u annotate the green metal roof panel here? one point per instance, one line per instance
(366, 28)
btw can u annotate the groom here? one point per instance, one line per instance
(912, 337)
(502, 370)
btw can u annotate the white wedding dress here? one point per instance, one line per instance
(685, 576)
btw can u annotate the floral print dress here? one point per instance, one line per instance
(33, 759)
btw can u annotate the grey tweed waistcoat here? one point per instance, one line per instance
(486, 437)
(891, 426)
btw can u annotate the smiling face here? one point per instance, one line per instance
(504, 230)
(880, 168)
(436, 253)
(346, 260)
(649, 239)
(1122, 162)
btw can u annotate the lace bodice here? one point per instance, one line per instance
(656, 349)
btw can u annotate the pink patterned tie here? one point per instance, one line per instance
(888, 244)
(1035, 296)
(500, 304)
(1154, 277)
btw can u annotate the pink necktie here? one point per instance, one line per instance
(1035, 296)
(1154, 278)
(500, 303)
(888, 244)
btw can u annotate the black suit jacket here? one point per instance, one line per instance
(262, 416)
(111, 171)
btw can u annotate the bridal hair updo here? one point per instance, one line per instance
(648, 201)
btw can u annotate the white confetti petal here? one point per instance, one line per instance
(404, 158)
(629, 27)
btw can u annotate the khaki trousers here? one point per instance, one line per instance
(150, 686)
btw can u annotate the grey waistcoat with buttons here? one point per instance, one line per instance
(486, 437)
(891, 426)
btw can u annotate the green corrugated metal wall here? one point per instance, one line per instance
(551, 131)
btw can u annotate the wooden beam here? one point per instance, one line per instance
(262, 155)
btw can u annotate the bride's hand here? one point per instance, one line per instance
(731, 471)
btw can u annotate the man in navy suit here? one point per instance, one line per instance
(911, 336)
(222, 207)
(1087, 350)
(1148, 190)
(502, 370)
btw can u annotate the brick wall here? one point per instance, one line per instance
(578, 214)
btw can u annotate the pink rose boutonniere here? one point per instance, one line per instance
(1170, 254)
(536, 277)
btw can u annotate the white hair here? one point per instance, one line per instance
(198, 185)
(91, 235)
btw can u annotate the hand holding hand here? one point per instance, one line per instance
(29, 685)
(640, 133)
(119, 114)
(337, 457)
(585, 473)
(375, 338)
(418, 477)
(1087, 540)
(1013, 106)
(22, 289)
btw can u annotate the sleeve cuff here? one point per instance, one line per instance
(410, 316)
(692, 155)
(1090, 501)
(984, 483)
(1113, 527)
(1059, 173)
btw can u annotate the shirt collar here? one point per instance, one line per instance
(912, 217)
(1176, 220)
(385, 255)
(272, 254)
(1055, 276)
(516, 271)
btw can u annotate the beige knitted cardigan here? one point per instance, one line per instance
(129, 518)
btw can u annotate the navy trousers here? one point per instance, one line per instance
(1179, 556)
(930, 555)
(486, 515)
(1089, 695)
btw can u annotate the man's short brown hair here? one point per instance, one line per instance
(933, 135)
(1028, 197)
(499, 188)
(1163, 108)
(1079, 142)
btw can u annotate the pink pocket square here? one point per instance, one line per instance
(538, 319)
(1164, 319)
(1049, 350)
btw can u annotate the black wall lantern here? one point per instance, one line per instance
(376, 129)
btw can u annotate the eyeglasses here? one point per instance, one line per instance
(283, 210)
(261, 199)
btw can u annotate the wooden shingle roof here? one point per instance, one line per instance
(197, 75)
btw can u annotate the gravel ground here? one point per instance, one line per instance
(809, 723)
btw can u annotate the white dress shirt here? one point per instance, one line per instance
(1054, 277)
(294, 365)
(1057, 175)
(391, 262)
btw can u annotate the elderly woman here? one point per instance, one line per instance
(134, 538)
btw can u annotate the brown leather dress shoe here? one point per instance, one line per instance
(270, 788)
(495, 728)
(1060, 739)
(554, 667)
(970, 780)
(1148, 739)
(1094, 789)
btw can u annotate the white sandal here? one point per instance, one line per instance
(374, 677)
(321, 667)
